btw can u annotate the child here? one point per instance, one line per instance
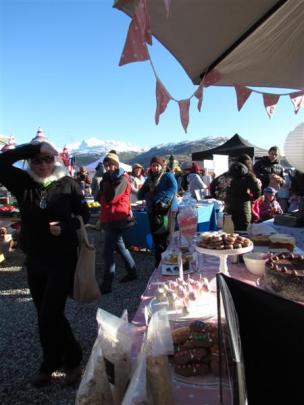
(269, 207)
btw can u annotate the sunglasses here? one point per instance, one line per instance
(45, 159)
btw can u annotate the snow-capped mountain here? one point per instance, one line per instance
(99, 146)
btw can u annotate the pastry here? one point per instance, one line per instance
(284, 274)
(281, 240)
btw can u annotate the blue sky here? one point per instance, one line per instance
(59, 70)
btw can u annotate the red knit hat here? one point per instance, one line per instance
(196, 168)
(157, 159)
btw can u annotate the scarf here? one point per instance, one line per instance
(58, 173)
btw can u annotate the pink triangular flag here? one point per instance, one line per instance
(162, 100)
(135, 48)
(297, 99)
(242, 94)
(143, 19)
(199, 95)
(184, 106)
(167, 5)
(212, 77)
(270, 102)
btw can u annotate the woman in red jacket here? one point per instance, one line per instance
(115, 216)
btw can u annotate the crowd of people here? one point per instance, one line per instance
(50, 201)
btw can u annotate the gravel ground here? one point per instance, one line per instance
(19, 343)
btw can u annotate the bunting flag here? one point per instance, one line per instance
(199, 95)
(143, 19)
(162, 100)
(135, 49)
(167, 5)
(211, 78)
(242, 94)
(297, 100)
(184, 106)
(270, 102)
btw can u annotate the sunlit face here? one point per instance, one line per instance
(43, 165)
(109, 167)
(137, 171)
(156, 167)
(273, 155)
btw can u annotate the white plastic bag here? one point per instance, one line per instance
(94, 388)
(116, 336)
(151, 381)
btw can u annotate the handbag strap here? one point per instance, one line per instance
(84, 234)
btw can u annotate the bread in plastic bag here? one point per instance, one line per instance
(94, 388)
(152, 375)
(116, 336)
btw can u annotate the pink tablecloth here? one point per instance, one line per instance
(186, 394)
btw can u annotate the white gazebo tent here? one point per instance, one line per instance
(92, 166)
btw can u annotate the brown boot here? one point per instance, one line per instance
(41, 379)
(73, 376)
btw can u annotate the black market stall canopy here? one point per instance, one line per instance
(234, 147)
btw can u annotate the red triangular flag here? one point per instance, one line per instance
(297, 99)
(212, 77)
(270, 102)
(143, 19)
(184, 106)
(135, 48)
(199, 95)
(242, 94)
(162, 100)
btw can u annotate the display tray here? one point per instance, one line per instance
(260, 282)
(205, 309)
(225, 252)
(199, 381)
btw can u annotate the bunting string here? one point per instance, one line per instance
(136, 50)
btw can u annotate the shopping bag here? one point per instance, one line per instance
(86, 289)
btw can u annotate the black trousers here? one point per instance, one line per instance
(160, 245)
(50, 286)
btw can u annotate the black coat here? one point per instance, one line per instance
(244, 188)
(264, 167)
(63, 198)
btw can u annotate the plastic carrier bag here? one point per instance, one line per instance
(151, 381)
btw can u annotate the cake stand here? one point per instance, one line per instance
(223, 254)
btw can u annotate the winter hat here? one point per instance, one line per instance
(195, 168)
(157, 159)
(269, 190)
(137, 165)
(112, 157)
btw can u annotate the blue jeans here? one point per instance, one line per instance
(113, 240)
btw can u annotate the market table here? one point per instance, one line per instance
(140, 235)
(188, 394)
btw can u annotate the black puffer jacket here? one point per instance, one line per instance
(244, 188)
(264, 167)
(63, 198)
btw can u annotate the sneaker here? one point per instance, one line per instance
(41, 379)
(128, 277)
(73, 376)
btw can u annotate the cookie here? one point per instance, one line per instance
(190, 356)
(198, 326)
(180, 335)
(189, 370)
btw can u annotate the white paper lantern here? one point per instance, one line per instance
(294, 147)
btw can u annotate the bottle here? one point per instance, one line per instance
(228, 225)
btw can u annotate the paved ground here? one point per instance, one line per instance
(19, 345)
